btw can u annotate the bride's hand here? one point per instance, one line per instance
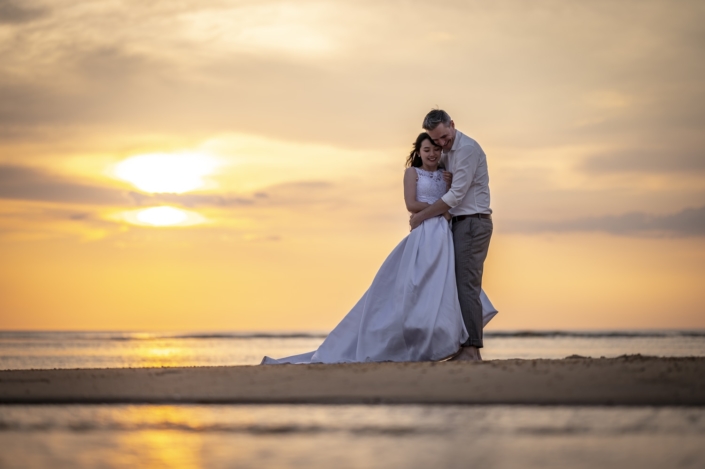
(414, 221)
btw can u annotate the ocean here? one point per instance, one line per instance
(46, 350)
(339, 436)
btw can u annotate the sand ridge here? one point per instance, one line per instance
(627, 380)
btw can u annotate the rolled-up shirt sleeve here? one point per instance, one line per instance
(468, 158)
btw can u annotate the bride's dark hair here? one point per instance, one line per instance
(414, 158)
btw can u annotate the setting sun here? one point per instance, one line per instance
(162, 172)
(162, 216)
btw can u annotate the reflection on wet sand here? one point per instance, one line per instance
(159, 449)
(380, 436)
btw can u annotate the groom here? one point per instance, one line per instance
(468, 201)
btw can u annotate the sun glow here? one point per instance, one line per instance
(161, 172)
(162, 216)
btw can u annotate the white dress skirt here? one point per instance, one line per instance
(411, 311)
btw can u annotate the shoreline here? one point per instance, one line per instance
(631, 380)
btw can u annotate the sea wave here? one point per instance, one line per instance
(152, 336)
(595, 334)
(255, 429)
(143, 336)
(681, 425)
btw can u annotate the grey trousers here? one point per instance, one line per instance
(471, 237)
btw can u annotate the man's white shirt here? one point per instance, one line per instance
(470, 191)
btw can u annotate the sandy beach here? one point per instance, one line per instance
(627, 380)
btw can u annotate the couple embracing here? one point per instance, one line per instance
(426, 302)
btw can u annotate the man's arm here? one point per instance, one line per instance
(468, 159)
(437, 208)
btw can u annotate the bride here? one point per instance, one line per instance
(411, 310)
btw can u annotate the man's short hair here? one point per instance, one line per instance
(435, 117)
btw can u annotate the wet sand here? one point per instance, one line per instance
(628, 380)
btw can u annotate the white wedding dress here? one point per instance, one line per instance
(411, 310)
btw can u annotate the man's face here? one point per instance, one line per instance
(443, 135)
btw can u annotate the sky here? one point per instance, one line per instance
(237, 165)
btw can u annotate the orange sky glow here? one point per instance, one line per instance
(216, 165)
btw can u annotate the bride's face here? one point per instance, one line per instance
(430, 154)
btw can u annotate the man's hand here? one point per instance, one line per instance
(448, 178)
(438, 208)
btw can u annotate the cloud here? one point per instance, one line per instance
(13, 13)
(192, 200)
(546, 73)
(92, 84)
(35, 222)
(668, 160)
(278, 195)
(24, 183)
(552, 82)
(685, 223)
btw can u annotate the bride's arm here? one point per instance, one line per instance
(412, 205)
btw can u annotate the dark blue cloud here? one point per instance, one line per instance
(687, 222)
(676, 159)
(25, 183)
(12, 12)
(21, 182)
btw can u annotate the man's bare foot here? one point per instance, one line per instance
(468, 354)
